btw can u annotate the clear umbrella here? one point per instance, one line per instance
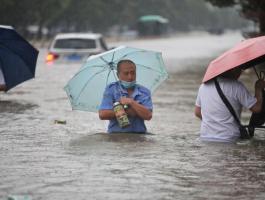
(85, 89)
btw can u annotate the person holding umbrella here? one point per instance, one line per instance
(217, 122)
(221, 96)
(18, 59)
(135, 97)
(118, 85)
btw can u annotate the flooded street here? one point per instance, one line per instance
(77, 160)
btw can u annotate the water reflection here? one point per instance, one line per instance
(114, 138)
(15, 107)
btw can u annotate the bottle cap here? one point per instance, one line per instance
(116, 103)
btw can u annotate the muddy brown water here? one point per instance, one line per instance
(77, 160)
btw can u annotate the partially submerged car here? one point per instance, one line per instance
(75, 47)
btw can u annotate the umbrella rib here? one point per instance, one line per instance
(111, 70)
(89, 80)
(110, 64)
(149, 68)
(256, 72)
(119, 83)
(104, 60)
(112, 56)
(108, 76)
(116, 78)
(86, 68)
(131, 53)
(136, 63)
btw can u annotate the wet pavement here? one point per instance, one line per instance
(77, 160)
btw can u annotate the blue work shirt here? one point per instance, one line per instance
(113, 93)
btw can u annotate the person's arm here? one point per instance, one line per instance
(136, 109)
(106, 114)
(131, 112)
(197, 112)
(259, 86)
(2, 87)
(105, 111)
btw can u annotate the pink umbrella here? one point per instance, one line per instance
(247, 53)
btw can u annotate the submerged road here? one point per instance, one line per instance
(77, 160)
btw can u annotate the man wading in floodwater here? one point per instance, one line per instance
(136, 97)
(218, 124)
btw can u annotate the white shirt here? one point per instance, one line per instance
(2, 79)
(218, 124)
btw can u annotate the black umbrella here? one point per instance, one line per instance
(18, 58)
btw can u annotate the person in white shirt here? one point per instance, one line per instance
(217, 123)
(2, 81)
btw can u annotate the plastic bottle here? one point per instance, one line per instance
(121, 115)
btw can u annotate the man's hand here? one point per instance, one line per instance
(260, 84)
(136, 109)
(129, 110)
(126, 101)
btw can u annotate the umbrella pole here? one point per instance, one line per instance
(110, 64)
(256, 71)
(117, 79)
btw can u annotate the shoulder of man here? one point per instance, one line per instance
(237, 84)
(231, 83)
(111, 86)
(143, 89)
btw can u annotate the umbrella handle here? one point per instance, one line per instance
(262, 75)
(256, 72)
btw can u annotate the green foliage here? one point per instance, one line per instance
(22, 13)
(100, 15)
(250, 9)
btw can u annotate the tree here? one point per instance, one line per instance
(100, 15)
(250, 9)
(23, 13)
(45, 12)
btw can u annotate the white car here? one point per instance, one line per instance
(75, 47)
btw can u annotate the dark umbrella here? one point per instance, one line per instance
(17, 57)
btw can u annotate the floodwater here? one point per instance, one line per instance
(42, 160)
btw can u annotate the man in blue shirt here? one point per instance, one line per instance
(127, 92)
